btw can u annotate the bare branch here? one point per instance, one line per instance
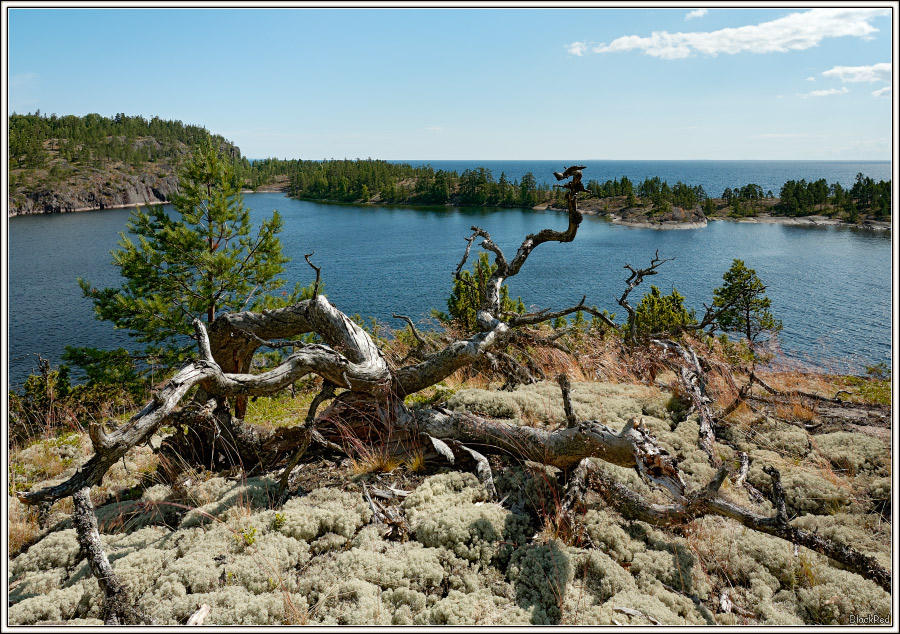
(118, 608)
(694, 384)
(634, 506)
(637, 276)
(318, 271)
(565, 385)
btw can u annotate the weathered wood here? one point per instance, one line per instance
(709, 502)
(118, 608)
(694, 384)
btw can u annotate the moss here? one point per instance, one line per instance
(602, 526)
(327, 542)
(854, 453)
(476, 608)
(56, 605)
(739, 557)
(879, 492)
(449, 511)
(136, 569)
(542, 402)
(603, 577)
(493, 404)
(683, 443)
(474, 561)
(540, 574)
(235, 497)
(789, 441)
(234, 605)
(645, 602)
(839, 595)
(57, 550)
(324, 511)
(807, 488)
(868, 534)
(36, 583)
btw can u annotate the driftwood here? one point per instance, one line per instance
(372, 402)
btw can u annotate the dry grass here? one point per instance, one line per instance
(375, 460)
(21, 525)
(796, 410)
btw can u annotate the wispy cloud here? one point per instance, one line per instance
(793, 32)
(696, 13)
(826, 93)
(781, 135)
(577, 48)
(810, 79)
(875, 72)
(882, 92)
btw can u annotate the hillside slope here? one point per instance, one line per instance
(64, 164)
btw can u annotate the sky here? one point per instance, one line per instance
(476, 83)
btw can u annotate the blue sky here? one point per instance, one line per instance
(463, 83)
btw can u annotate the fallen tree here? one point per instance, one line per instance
(372, 401)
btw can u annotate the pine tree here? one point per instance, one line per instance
(749, 313)
(199, 262)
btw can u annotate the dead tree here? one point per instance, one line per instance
(347, 358)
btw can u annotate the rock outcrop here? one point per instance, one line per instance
(121, 191)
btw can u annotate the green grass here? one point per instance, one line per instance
(872, 390)
(281, 410)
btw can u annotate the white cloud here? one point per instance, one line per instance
(826, 93)
(882, 92)
(577, 48)
(796, 31)
(875, 72)
(696, 13)
(810, 79)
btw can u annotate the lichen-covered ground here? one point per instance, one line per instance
(469, 559)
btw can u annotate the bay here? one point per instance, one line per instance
(831, 286)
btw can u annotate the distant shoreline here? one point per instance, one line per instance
(802, 221)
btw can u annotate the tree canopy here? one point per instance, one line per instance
(749, 313)
(199, 261)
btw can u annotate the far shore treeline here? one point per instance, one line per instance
(75, 154)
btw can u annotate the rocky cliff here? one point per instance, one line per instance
(119, 190)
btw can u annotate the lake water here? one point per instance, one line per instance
(831, 286)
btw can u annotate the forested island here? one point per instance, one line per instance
(69, 163)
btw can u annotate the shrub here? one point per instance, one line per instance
(468, 289)
(657, 313)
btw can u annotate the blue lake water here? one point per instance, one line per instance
(831, 286)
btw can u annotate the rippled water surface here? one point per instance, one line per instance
(831, 286)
